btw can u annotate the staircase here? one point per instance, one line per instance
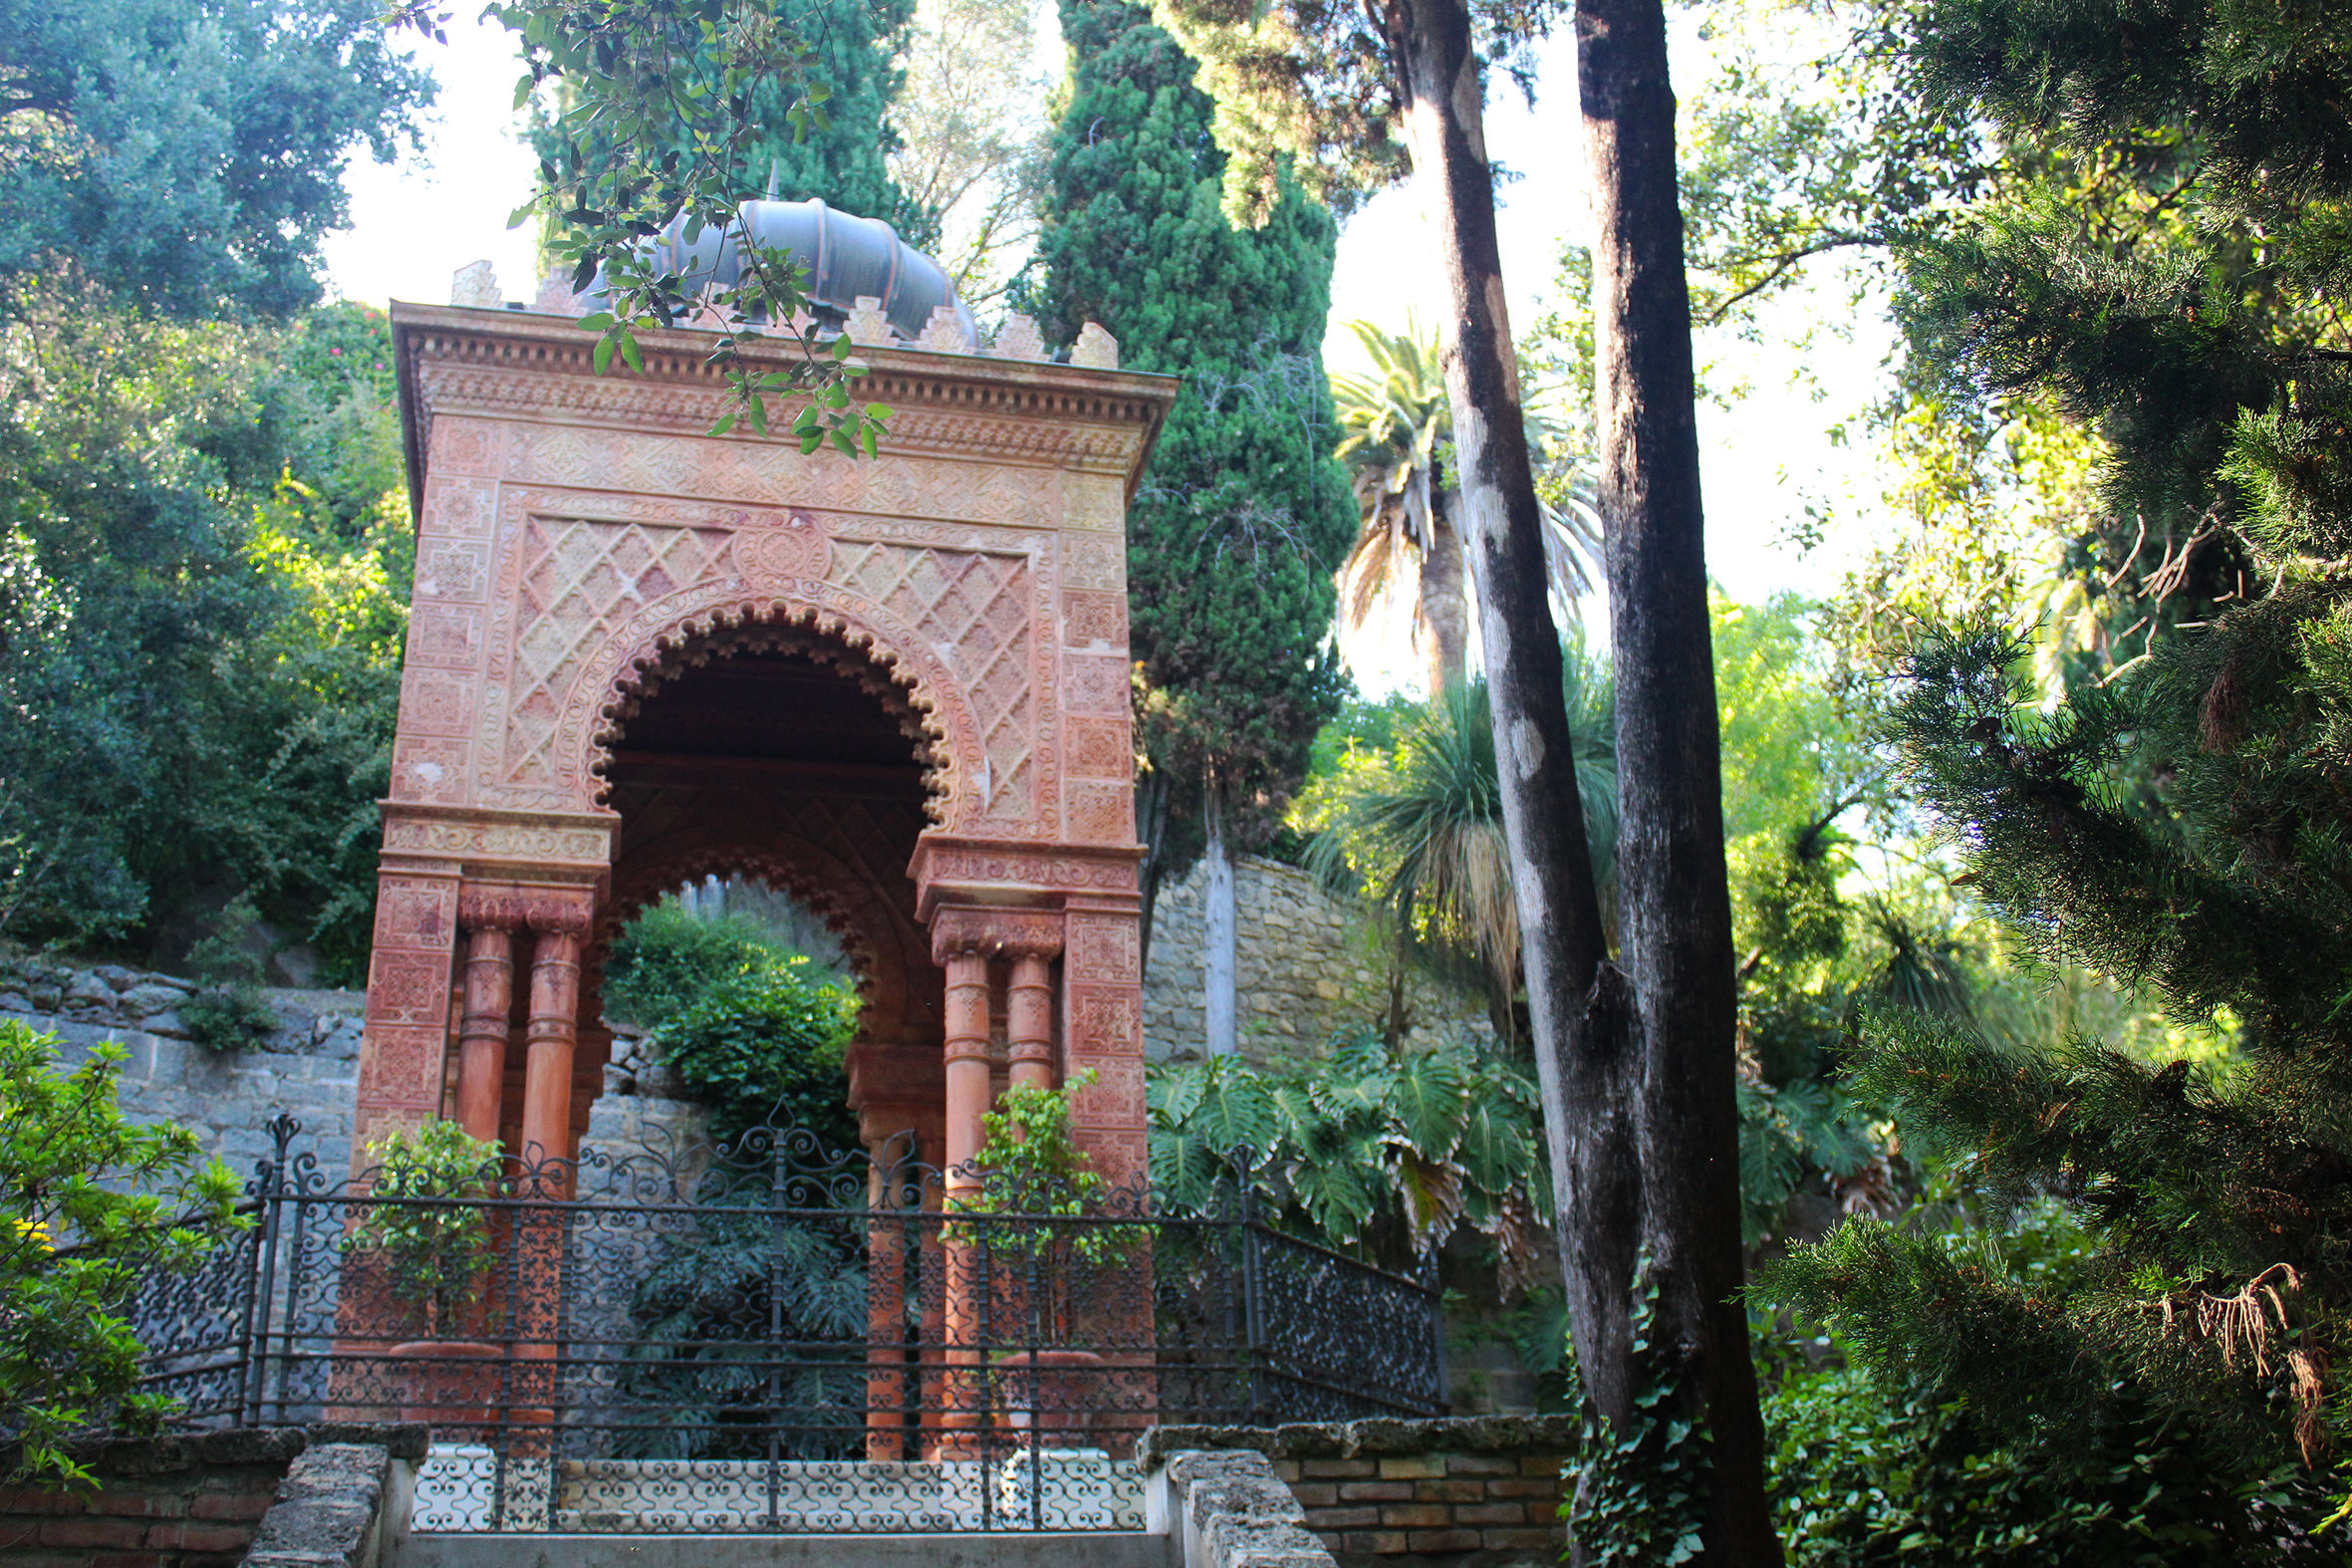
(1089, 1549)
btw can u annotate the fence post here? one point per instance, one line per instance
(261, 1282)
(1439, 1404)
(1253, 1304)
(777, 1192)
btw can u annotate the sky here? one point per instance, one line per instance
(1765, 443)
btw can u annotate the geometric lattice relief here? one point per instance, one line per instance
(581, 580)
(974, 608)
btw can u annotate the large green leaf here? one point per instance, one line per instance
(1173, 1093)
(1431, 1191)
(1496, 1153)
(1428, 1100)
(1341, 1191)
(1234, 1108)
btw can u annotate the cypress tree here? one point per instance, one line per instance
(1244, 514)
(2186, 824)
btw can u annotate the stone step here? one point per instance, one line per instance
(1077, 1549)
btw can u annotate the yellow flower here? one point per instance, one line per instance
(34, 1231)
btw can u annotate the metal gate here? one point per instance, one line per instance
(772, 1338)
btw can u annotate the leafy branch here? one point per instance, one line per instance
(652, 123)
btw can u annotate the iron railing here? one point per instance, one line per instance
(776, 1338)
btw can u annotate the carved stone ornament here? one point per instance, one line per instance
(554, 297)
(1014, 934)
(1095, 349)
(1019, 338)
(475, 284)
(868, 323)
(944, 332)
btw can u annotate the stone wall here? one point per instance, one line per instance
(1477, 1492)
(308, 1065)
(1308, 963)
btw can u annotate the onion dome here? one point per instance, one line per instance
(848, 258)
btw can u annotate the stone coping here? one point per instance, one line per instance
(328, 1512)
(281, 1446)
(1228, 1509)
(1368, 1439)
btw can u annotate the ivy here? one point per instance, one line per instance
(1640, 1494)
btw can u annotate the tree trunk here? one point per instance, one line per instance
(1220, 1026)
(1583, 1054)
(1445, 610)
(1636, 1078)
(1674, 903)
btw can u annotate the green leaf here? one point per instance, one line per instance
(603, 357)
(629, 352)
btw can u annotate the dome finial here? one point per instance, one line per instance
(775, 179)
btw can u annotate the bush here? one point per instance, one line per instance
(436, 1253)
(229, 1014)
(1861, 1475)
(668, 960)
(765, 1047)
(91, 1205)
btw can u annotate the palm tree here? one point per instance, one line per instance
(1420, 828)
(1397, 432)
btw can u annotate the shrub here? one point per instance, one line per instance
(229, 1014)
(1861, 1475)
(91, 1205)
(436, 1249)
(668, 960)
(766, 1047)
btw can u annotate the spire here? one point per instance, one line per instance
(775, 178)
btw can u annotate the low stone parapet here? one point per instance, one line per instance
(1467, 1492)
(1226, 1508)
(188, 1501)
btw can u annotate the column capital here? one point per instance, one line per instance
(510, 907)
(964, 930)
(489, 908)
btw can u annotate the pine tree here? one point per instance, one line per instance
(2186, 824)
(1243, 514)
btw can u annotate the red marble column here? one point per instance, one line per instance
(967, 1064)
(1029, 1021)
(966, 1029)
(548, 1039)
(482, 1034)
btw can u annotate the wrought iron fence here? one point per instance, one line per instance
(777, 1338)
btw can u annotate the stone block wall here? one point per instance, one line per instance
(1462, 1492)
(1308, 963)
(308, 1065)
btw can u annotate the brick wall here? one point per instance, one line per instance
(1462, 1492)
(1439, 1506)
(190, 1501)
(165, 1502)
